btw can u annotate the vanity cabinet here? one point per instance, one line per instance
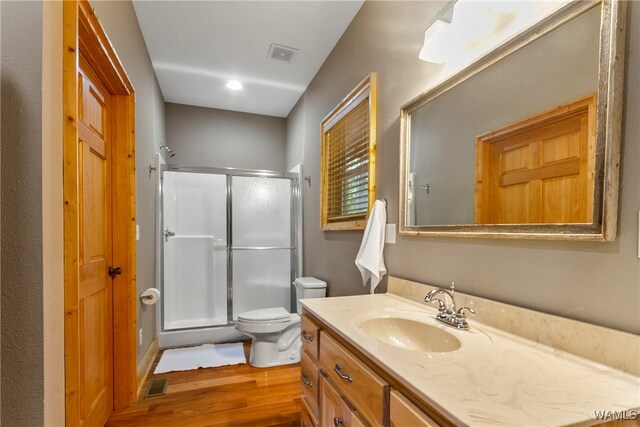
(305, 419)
(334, 410)
(339, 389)
(310, 372)
(363, 383)
(310, 379)
(354, 381)
(310, 333)
(404, 413)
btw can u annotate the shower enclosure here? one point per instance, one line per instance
(228, 240)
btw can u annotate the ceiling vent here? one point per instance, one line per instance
(282, 53)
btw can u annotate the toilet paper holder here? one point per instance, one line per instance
(149, 296)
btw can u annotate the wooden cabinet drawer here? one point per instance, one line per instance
(405, 413)
(310, 335)
(359, 384)
(307, 419)
(334, 411)
(310, 377)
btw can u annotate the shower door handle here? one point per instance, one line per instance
(168, 233)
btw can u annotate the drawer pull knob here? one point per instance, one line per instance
(338, 371)
(305, 380)
(307, 336)
(337, 421)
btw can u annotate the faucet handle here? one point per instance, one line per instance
(442, 307)
(462, 309)
(460, 320)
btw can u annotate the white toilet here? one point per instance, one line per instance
(275, 331)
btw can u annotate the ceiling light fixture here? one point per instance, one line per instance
(468, 29)
(234, 85)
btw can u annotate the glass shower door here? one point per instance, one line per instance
(262, 243)
(195, 250)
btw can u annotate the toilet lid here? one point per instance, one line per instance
(276, 314)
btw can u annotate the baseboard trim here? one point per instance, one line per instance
(144, 367)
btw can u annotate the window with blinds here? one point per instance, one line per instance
(348, 160)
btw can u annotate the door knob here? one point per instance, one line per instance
(114, 271)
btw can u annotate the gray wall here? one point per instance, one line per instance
(219, 138)
(22, 369)
(595, 282)
(121, 24)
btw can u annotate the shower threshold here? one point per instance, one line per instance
(194, 337)
(212, 322)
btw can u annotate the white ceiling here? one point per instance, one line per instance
(198, 46)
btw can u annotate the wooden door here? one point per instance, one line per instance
(540, 170)
(95, 293)
(99, 222)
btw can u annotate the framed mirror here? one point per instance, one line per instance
(524, 142)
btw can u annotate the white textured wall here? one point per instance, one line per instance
(22, 369)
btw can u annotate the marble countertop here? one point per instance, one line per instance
(495, 378)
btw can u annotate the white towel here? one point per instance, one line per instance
(370, 259)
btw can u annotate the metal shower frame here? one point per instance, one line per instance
(229, 173)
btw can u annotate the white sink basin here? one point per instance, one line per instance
(409, 334)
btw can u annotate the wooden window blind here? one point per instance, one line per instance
(348, 160)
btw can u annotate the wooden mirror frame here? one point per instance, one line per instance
(608, 132)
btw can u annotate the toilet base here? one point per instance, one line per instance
(276, 349)
(265, 354)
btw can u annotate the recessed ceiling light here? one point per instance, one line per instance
(234, 85)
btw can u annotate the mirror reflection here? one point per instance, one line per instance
(513, 143)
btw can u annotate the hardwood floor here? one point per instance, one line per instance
(239, 395)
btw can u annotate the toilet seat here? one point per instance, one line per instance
(266, 320)
(265, 315)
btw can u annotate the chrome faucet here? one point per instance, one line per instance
(450, 315)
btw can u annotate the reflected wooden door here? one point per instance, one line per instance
(95, 293)
(540, 170)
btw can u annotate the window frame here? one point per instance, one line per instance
(367, 88)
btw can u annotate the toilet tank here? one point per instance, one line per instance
(309, 287)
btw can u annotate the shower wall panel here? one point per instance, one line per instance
(195, 257)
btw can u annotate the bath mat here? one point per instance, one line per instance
(204, 356)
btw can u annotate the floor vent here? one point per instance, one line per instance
(157, 388)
